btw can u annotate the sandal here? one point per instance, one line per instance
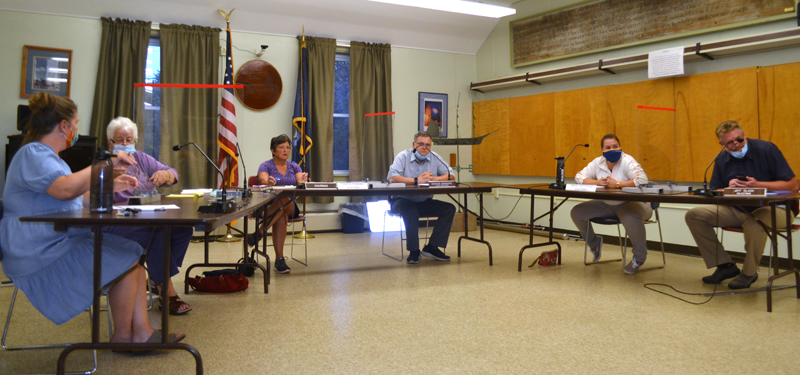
(175, 304)
(155, 338)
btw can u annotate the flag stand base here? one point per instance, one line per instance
(303, 234)
(228, 237)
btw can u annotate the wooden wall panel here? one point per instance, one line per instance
(702, 102)
(531, 140)
(779, 109)
(492, 155)
(580, 116)
(648, 134)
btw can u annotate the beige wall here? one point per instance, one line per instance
(413, 71)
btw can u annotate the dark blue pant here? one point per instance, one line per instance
(180, 238)
(411, 212)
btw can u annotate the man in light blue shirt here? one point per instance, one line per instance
(416, 166)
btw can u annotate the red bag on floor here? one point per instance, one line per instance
(219, 282)
(548, 258)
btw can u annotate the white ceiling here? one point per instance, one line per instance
(344, 20)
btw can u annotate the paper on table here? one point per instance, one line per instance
(150, 207)
(197, 192)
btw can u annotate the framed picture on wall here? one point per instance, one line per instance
(433, 114)
(45, 70)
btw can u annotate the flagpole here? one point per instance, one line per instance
(228, 236)
(303, 234)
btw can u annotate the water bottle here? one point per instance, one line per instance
(101, 196)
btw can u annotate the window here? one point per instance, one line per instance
(341, 115)
(152, 101)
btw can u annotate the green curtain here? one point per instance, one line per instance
(370, 92)
(190, 55)
(123, 56)
(321, 60)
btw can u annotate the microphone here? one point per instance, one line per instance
(246, 192)
(445, 166)
(705, 191)
(560, 178)
(215, 207)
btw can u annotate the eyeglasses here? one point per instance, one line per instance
(144, 180)
(737, 140)
(424, 145)
(123, 141)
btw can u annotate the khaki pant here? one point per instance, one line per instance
(631, 214)
(703, 220)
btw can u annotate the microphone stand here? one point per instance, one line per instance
(705, 191)
(560, 184)
(215, 207)
(445, 166)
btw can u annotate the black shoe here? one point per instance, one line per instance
(253, 238)
(742, 281)
(413, 257)
(722, 273)
(281, 267)
(434, 252)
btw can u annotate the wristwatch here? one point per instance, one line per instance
(415, 181)
(618, 185)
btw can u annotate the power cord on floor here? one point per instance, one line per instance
(713, 293)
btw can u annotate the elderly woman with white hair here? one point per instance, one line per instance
(122, 136)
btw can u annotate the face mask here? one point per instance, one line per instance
(421, 157)
(72, 140)
(612, 155)
(131, 148)
(740, 154)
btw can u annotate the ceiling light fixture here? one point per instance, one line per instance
(456, 6)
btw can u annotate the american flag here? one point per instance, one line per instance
(227, 139)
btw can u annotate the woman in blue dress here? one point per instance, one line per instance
(54, 269)
(279, 171)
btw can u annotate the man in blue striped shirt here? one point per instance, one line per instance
(413, 167)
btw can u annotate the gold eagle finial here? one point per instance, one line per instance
(226, 15)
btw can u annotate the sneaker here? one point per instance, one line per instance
(632, 267)
(281, 267)
(413, 257)
(434, 252)
(723, 272)
(253, 238)
(742, 281)
(596, 251)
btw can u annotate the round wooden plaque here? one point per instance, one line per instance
(262, 85)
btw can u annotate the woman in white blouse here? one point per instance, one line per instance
(614, 170)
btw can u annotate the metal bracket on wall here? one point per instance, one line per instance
(527, 78)
(600, 67)
(704, 55)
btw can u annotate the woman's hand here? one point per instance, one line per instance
(123, 159)
(119, 171)
(303, 177)
(161, 177)
(125, 182)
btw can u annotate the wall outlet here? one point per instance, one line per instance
(222, 51)
(496, 193)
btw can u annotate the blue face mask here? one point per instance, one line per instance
(612, 155)
(421, 157)
(131, 148)
(740, 154)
